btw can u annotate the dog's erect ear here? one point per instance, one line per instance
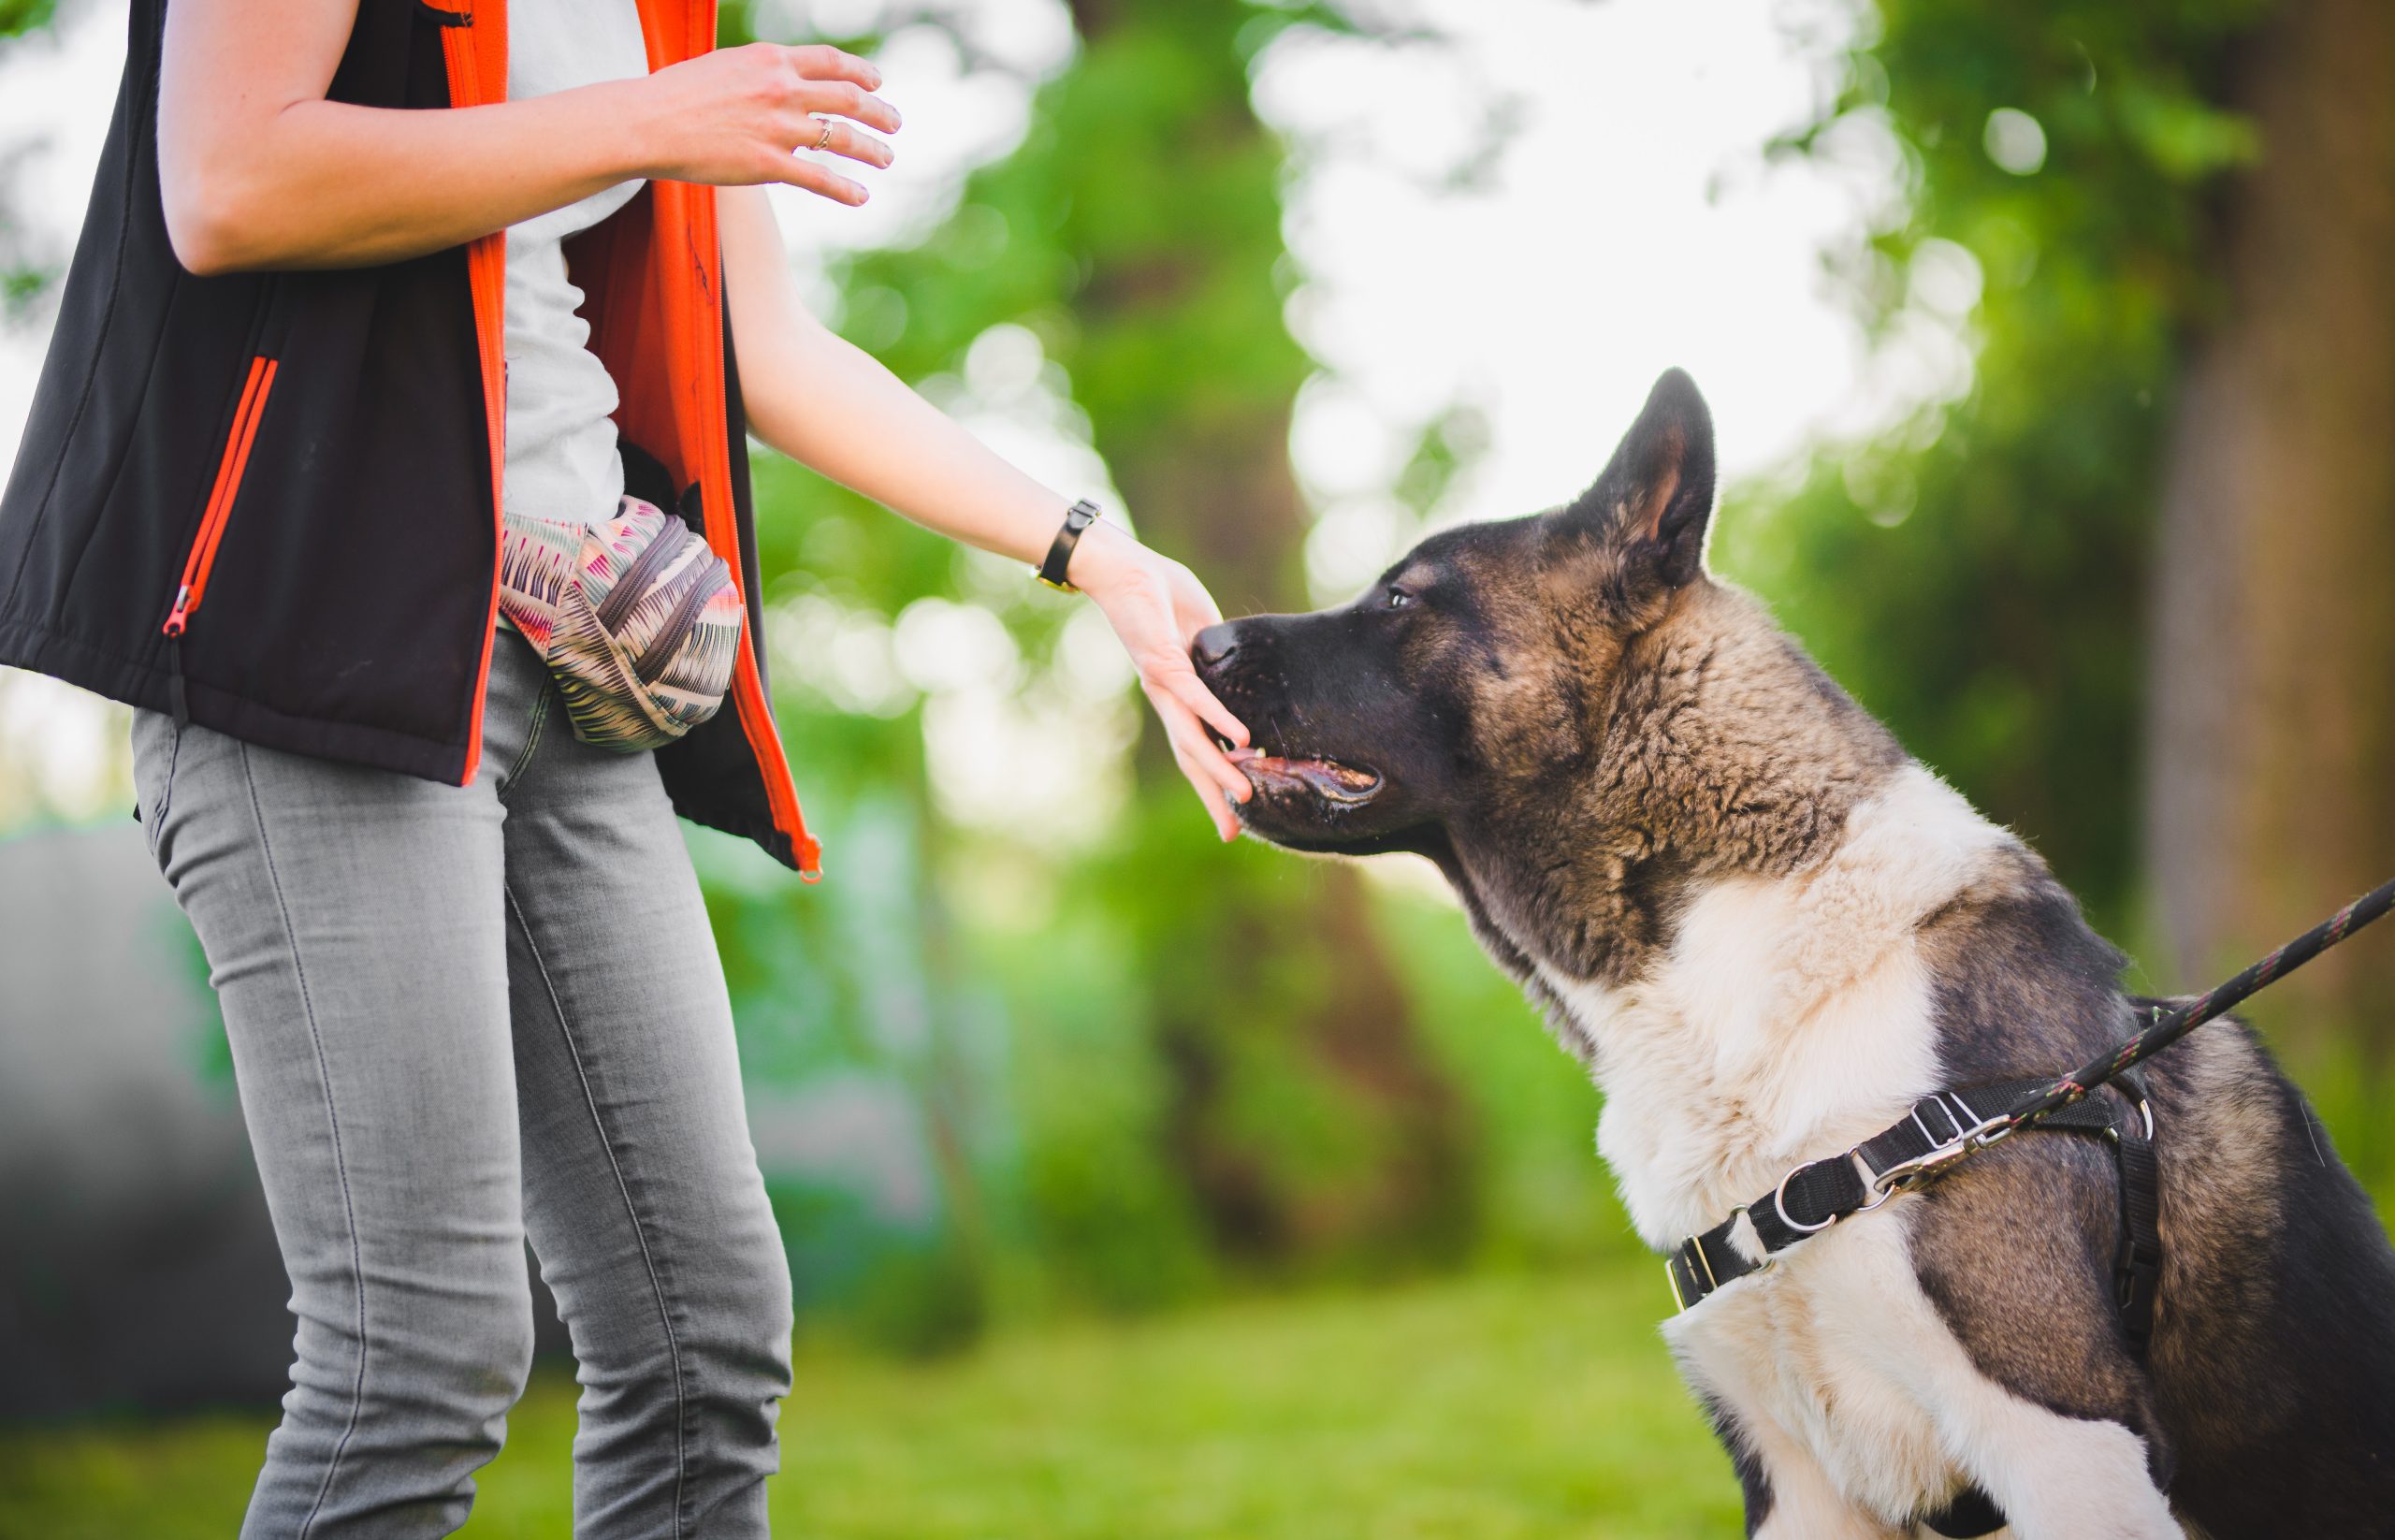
(1653, 500)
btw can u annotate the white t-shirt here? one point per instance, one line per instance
(561, 459)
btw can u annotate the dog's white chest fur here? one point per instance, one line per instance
(1791, 1018)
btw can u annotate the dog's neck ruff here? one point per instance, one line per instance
(1784, 1016)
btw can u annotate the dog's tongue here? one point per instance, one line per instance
(1324, 778)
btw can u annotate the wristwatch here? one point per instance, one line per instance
(1079, 517)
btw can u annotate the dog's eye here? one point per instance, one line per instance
(1397, 598)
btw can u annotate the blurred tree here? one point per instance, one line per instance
(2128, 592)
(2270, 754)
(1139, 226)
(1978, 574)
(2144, 559)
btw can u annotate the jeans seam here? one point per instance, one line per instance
(155, 826)
(341, 1163)
(531, 741)
(632, 1210)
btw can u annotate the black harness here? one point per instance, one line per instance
(1940, 1130)
(1948, 1127)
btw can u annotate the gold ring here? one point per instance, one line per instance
(827, 134)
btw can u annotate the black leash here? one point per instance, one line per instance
(2168, 1026)
(1948, 1127)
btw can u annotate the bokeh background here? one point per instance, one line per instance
(1138, 1187)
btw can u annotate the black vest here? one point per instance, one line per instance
(270, 499)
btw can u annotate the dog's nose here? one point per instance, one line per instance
(1215, 645)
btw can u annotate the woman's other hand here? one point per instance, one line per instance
(745, 115)
(1155, 605)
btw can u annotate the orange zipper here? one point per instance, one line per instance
(202, 558)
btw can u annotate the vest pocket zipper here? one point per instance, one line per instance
(202, 557)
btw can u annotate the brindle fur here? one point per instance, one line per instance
(1579, 726)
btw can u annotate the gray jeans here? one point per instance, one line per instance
(462, 1016)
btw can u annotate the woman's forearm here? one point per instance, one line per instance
(855, 421)
(812, 395)
(327, 185)
(835, 409)
(259, 170)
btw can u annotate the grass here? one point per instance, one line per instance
(1530, 1407)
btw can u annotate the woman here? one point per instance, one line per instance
(375, 287)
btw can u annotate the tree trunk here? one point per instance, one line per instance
(1202, 455)
(2271, 776)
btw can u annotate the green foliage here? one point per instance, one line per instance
(21, 280)
(1538, 1192)
(1189, 1090)
(1977, 575)
(21, 16)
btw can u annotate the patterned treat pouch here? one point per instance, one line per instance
(637, 619)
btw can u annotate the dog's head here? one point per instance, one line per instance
(1479, 669)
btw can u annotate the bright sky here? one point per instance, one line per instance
(1628, 223)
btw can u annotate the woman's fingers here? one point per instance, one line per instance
(835, 137)
(1150, 601)
(823, 129)
(1192, 747)
(1174, 676)
(815, 177)
(822, 62)
(1218, 804)
(841, 99)
(738, 116)
(1217, 808)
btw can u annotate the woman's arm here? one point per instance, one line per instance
(259, 170)
(818, 399)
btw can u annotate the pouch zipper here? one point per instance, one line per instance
(202, 560)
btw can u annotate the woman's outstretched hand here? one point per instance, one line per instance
(752, 114)
(1155, 605)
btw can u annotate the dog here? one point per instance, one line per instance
(1767, 932)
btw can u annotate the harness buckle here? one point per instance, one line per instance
(1953, 1120)
(1962, 1141)
(1705, 1286)
(1711, 1282)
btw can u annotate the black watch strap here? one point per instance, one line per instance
(1079, 517)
